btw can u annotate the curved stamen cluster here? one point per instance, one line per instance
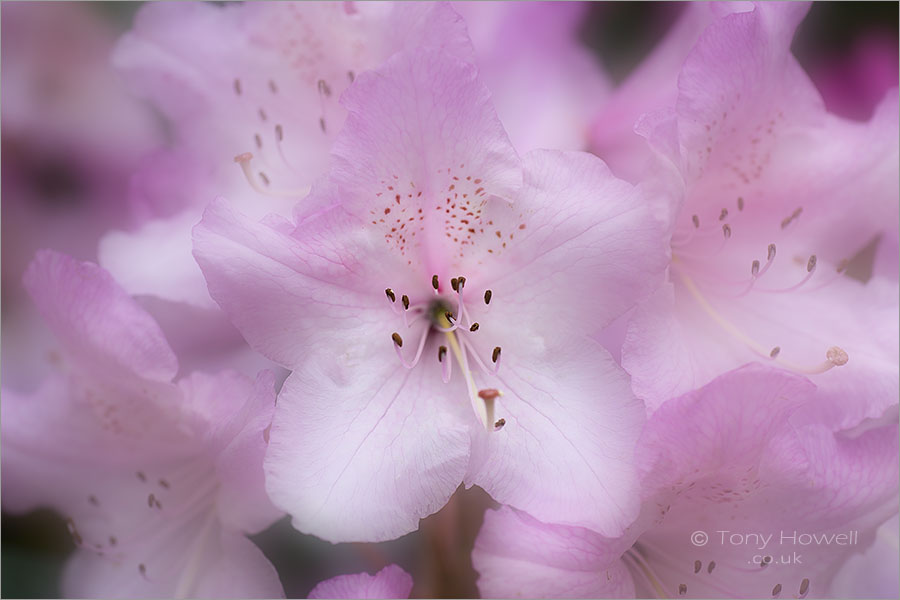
(691, 266)
(451, 317)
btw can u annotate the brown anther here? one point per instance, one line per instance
(487, 296)
(804, 586)
(435, 283)
(711, 566)
(776, 590)
(142, 569)
(454, 283)
(726, 230)
(496, 354)
(837, 356)
(112, 540)
(682, 589)
(397, 339)
(442, 352)
(474, 327)
(390, 294)
(322, 124)
(697, 566)
(489, 394)
(696, 221)
(323, 88)
(775, 352)
(141, 476)
(462, 282)
(754, 268)
(449, 316)
(499, 423)
(151, 500)
(740, 203)
(405, 300)
(279, 132)
(164, 484)
(771, 253)
(93, 500)
(723, 215)
(237, 87)
(811, 263)
(242, 158)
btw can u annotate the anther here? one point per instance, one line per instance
(740, 203)
(697, 566)
(435, 283)
(776, 590)
(324, 89)
(142, 569)
(279, 132)
(754, 268)
(837, 356)
(390, 294)
(804, 587)
(499, 423)
(726, 230)
(474, 327)
(70, 525)
(93, 500)
(454, 283)
(811, 264)
(712, 565)
(449, 316)
(487, 296)
(442, 352)
(682, 589)
(397, 339)
(771, 255)
(723, 214)
(696, 221)
(405, 300)
(496, 354)
(237, 87)
(461, 282)
(141, 476)
(775, 352)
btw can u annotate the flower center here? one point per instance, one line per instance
(448, 315)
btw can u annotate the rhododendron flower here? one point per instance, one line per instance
(158, 481)
(390, 582)
(767, 210)
(443, 273)
(726, 459)
(255, 84)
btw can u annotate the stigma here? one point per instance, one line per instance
(448, 319)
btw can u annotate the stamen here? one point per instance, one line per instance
(487, 296)
(435, 283)
(696, 221)
(496, 354)
(244, 161)
(397, 339)
(442, 352)
(446, 365)
(474, 327)
(415, 360)
(724, 214)
(740, 203)
(810, 271)
(390, 294)
(775, 352)
(405, 300)
(454, 283)
(804, 587)
(726, 230)
(499, 423)
(776, 590)
(754, 268)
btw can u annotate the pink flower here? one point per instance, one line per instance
(390, 582)
(735, 493)
(440, 256)
(259, 82)
(771, 198)
(158, 481)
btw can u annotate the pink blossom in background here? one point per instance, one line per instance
(424, 192)
(258, 80)
(158, 481)
(726, 458)
(390, 582)
(767, 213)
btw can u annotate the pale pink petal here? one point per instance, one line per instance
(565, 453)
(873, 573)
(100, 326)
(233, 567)
(236, 414)
(171, 274)
(390, 582)
(517, 556)
(362, 448)
(545, 83)
(576, 249)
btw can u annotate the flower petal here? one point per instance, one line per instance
(565, 453)
(390, 582)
